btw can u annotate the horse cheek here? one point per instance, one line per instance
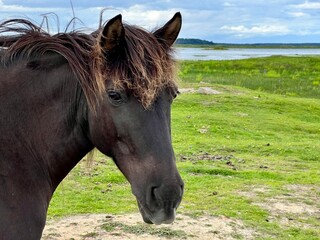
(101, 132)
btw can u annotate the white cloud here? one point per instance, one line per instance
(298, 14)
(307, 5)
(216, 20)
(256, 30)
(136, 15)
(21, 9)
(228, 4)
(146, 18)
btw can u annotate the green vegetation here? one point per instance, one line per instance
(291, 76)
(193, 42)
(243, 153)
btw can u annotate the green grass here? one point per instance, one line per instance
(255, 135)
(96, 189)
(291, 76)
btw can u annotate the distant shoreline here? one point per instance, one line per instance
(227, 46)
(198, 43)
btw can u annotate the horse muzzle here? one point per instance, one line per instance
(162, 216)
(160, 204)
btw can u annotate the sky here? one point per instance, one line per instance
(220, 21)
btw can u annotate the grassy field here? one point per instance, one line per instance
(250, 153)
(292, 76)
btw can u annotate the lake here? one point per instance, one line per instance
(240, 53)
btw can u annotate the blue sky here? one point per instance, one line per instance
(224, 21)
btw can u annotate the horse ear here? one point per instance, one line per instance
(169, 32)
(112, 34)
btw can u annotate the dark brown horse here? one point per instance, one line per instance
(63, 95)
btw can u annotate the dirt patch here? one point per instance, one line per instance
(255, 192)
(279, 206)
(101, 226)
(201, 90)
(205, 156)
(187, 90)
(298, 206)
(299, 199)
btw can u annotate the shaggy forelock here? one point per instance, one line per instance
(142, 65)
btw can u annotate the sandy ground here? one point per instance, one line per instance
(91, 227)
(288, 209)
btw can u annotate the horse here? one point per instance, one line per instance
(64, 94)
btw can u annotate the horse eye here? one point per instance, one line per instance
(115, 96)
(176, 94)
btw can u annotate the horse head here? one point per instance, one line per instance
(131, 123)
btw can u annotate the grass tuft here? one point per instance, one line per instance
(141, 229)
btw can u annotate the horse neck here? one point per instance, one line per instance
(45, 117)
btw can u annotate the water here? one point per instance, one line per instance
(239, 53)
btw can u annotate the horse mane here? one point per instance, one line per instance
(24, 39)
(143, 66)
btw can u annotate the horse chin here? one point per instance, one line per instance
(159, 217)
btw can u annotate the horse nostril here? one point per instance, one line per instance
(153, 198)
(153, 192)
